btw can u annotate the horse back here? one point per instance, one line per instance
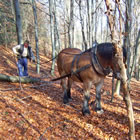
(65, 58)
(72, 59)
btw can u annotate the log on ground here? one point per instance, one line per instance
(17, 79)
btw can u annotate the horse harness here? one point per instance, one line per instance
(94, 63)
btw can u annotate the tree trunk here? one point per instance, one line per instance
(36, 36)
(65, 35)
(71, 23)
(12, 8)
(139, 73)
(17, 79)
(57, 35)
(5, 30)
(82, 26)
(92, 21)
(95, 22)
(88, 24)
(18, 22)
(102, 33)
(117, 88)
(51, 11)
(127, 33)
(119, 61)
(135, 56)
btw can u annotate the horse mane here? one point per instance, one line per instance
(105, 50)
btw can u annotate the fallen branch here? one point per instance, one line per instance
(16, 79)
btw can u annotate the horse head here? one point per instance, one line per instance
(106, 57)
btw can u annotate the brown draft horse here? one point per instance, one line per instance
(100, 60)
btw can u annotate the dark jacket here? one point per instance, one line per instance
(30, 54)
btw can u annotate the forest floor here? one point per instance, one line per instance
(37, 111)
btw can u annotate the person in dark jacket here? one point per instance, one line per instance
(23, 52)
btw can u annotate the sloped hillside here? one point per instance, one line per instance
(36, 111)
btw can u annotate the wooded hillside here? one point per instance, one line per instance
(34, 110)
(38, 112)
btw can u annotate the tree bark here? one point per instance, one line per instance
(18, 22)
(88, 23)
(117, 88)
(92, 21)
(71, 25)
(119, 62)
(135, 56)
(82, 26)
(17, 79)
(57, 35)
(36, 36)
(126, 40)
(53, 39)
(95, 22)
(138, 73)
(5, 30)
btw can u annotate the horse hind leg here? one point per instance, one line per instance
(87, 87)
(64, 87)
(69, 88)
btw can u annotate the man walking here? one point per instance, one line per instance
(23, 52)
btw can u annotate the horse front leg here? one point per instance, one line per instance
(98, 107)
(87, 87)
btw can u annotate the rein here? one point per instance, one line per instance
(76, 73)
(48, 61)
(95, 64)
(73, 73)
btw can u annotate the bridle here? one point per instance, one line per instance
(96, 64)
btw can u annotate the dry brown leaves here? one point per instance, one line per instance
(39, 113)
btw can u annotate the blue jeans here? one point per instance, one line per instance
(22, 67)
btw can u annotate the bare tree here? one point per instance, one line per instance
(92, 20)
(84, 43)
(71, 25)
(36, 36)
(135, 56)
(52, 28)
(5, 30)
(57, 34)
(88, 23)
(18, 22)
(116, 40)
(95, 22)
(128, 24)
(138, 76)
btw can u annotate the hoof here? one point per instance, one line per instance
(70, 99)
(86, 112)
(101, 111)
(65, 101)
